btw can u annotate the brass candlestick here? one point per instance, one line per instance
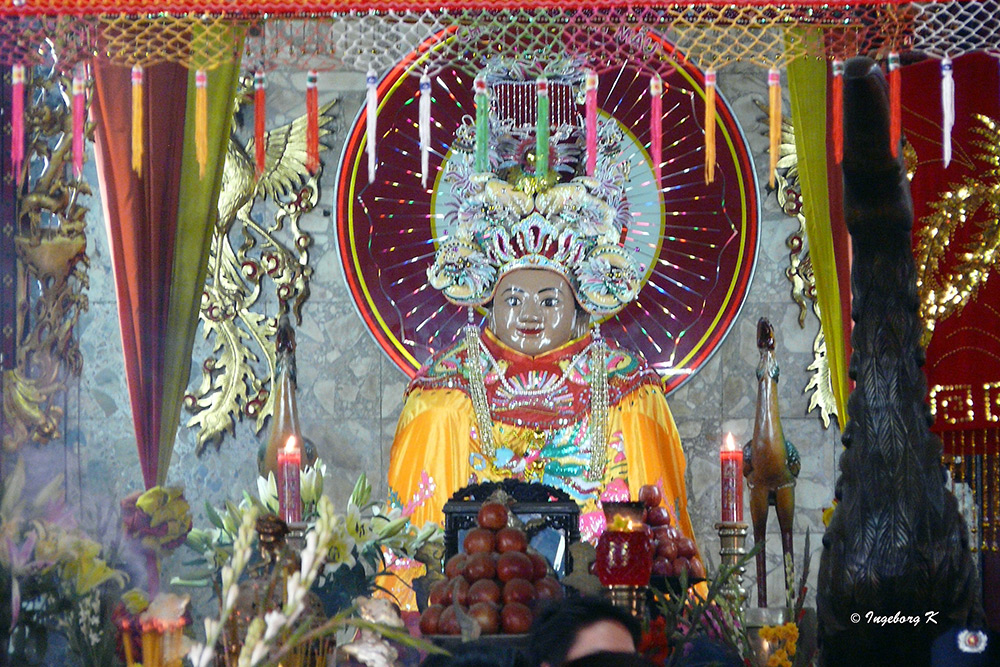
(732, 548)
(632, 599)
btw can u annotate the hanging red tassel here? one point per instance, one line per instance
(312, 122)
(201, 120)
(137, 121)
(259, 119)
(17, 120)
(895, 103)
(774, 99)
(656, 125)
(590, 111)
(79, 104)
(838, 111)
(709, 126)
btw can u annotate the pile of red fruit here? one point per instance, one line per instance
(675, 553)
(496, 581)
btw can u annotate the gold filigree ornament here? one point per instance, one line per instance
(944, 293)
(233, 384)
(50, 242)
(800, 270)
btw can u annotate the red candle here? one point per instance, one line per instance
(289, 501)
(731, 458)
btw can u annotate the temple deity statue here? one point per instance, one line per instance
(537, 394)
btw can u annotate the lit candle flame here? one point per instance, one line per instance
(730, 444)
(290, 445)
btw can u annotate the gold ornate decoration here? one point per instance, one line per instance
(232, 385)
(50, 243)
(945, 293)
(800, 270)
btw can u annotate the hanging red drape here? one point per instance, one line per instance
(141, 216)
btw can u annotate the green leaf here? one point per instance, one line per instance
(214, 517)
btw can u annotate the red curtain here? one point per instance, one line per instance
(141, 214)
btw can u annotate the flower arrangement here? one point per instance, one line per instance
(705, 625)
(783, 639)
(52, 577)
(343, 555)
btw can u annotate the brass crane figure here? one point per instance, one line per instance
(771, 463)
(896, 545)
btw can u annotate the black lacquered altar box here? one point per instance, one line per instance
(548, 515)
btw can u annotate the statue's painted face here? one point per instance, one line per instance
(534, 311)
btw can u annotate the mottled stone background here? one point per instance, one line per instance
(350, 394)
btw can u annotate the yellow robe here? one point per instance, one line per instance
(436, 450)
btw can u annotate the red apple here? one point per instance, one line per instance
(696, 569)
(455, 565)
(541, 565)
(662, 567)
(519, 590)
(666, 549)
(429, 619)
(681, 564)
(515, 618)
(478, 541)
(657, 516)
(479, 566)
(492, 515)
(487, 615)
(514, 565)
(484, 590)
(448, 621)
(440, 593)
(685, 547)
(547, 588)
(511, 539)
(650, 495)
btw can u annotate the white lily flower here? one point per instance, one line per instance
(211, 629)
(308, 556)
(267, 491)
(201, 655)
(275, 620)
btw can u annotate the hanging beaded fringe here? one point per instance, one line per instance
(259, 120)
(774, 107)
(79, 104)
(201, 120)
(895, 103)
(656, 125)
(947, 108)
(424, 126)
(590, 111)
(542, 130)
(599, 406)
(709, 126)
(17, 120)
(477, 389)
(371, 116)
(837, 112)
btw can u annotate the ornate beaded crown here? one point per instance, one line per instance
(511, 214)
